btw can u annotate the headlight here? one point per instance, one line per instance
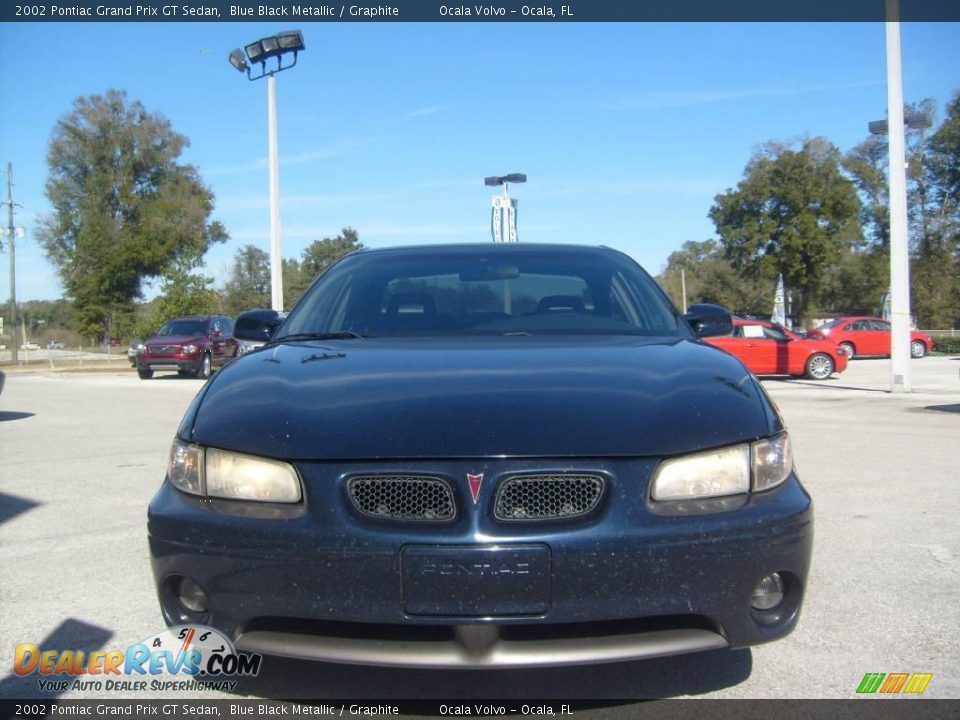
(241, 477)
(224, 474)
(185, 467)
(772, 462)
(708, 474)
(762, 465)
(189, 349)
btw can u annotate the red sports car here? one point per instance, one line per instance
(769, 349)
(868, 336)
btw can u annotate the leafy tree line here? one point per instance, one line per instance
(821, 218)
(248, 284)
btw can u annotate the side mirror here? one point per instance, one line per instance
(256, 325)
(708, 320)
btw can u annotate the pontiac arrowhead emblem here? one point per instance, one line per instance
(475, 481)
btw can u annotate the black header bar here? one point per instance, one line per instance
(486, 11)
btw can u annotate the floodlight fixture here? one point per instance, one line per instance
(273, 46)
(238, 61)
(291, 40)
(495, 180)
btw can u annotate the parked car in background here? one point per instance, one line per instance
(30, 346)
(248, 324)
(191, 345)
(135, 347)
(859, 336)
(483, 456)
(56, 345)
(770, 349)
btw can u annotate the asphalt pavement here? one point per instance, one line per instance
(82, 454)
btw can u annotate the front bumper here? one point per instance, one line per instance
(318, 581)
(180, 363)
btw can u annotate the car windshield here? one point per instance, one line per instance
(831, 324)
(183, 327)
(466, 291)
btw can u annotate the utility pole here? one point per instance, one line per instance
(11, 237)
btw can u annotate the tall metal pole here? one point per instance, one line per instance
(276, 262)
(683, 288)
(13, 264)
(899, 250)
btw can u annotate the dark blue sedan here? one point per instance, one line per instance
(483, 456)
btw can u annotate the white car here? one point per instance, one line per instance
(30, 346)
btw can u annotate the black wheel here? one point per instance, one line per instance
(204, 371)
(918, 349)
(819, 366)
(144, 374)
(849, 350)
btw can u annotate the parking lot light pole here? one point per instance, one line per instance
(261, 51)
(900, 381)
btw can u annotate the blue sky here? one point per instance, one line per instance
(626, 131)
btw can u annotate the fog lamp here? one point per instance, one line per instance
(768, 593)
(191, 596)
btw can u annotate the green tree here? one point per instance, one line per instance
(181, 293)
(936, 270)
(124, 209)
(933, 166)
(315, 259)
(248, 285)
(793, 213)
(710, 278)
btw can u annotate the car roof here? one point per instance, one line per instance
(490, 248)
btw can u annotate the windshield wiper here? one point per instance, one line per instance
(336, 335)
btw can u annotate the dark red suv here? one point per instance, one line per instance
(191, 345)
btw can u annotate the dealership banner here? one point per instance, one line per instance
(175, 709)
(495, 11)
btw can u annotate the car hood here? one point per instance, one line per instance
(535, 397)
(175, 340)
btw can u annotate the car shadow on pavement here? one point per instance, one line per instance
(7, 415)
(944, 408)
(692, 674)
(824, 384)
(11, 506)
(71, 634)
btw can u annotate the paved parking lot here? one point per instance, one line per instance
(81, 455)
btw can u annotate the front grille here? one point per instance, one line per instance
(547, 497)
(402, 497)
(163, 349)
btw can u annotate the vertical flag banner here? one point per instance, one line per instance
(779, 305)
(503, 219)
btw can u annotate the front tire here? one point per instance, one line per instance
(819, 366)
(848, 349)
(203, 372)
(144, 374)
(918, 349)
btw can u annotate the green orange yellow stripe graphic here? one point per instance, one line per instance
(894, 683)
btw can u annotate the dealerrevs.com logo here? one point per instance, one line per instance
(187, 657)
